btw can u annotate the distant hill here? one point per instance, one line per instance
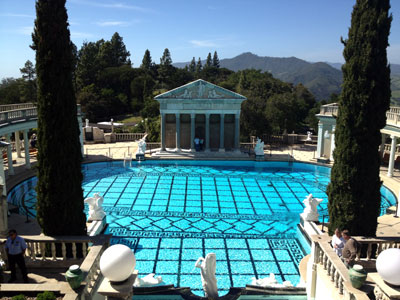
(320, 78)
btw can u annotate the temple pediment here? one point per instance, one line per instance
(200, 89)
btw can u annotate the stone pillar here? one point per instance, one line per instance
(162, 132)
(332, 142)
(178, 132)
(192, 132)
(221, 132)
(320, 145)
(382, 146)
(80, 124)
(9, 156)
(237, 132)
(26, 146)
(392, 156)
(17, 144)
(207, 132)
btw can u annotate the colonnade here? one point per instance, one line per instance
(192, 131)
(326, 140)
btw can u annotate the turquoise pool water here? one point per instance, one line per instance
(173, 212)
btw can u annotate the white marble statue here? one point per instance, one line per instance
(309, 139)
(87, 122)
(141, 147)
(96, 212)
(259, 147)
(207, 266)
(310, 212)
(147, 281)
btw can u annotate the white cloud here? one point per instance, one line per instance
(203, 43)
(112, 23)
(116, 5)
(17, 15)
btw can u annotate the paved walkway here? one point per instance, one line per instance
(389, 225)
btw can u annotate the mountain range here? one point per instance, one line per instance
(321, 78)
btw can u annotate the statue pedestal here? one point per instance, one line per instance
(139, 156)
(96, 227)
(260, 157)
(121, 290)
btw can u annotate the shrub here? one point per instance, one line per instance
(18, 297)
(46, 296)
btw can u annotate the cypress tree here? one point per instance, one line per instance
(208, 61)
(199, 66)
(59, 189)
(354, 191)
(192, 66)
(215, 61)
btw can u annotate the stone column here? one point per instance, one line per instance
(192, 132)
(26, 146)
(392, 156)
(162, 132)
(332, 142)
(178, 132)
(237, 132)
(80, 124)
(320, 145)
(207, 132)
(382, 146)
(17, 144)
(9, 155)
(221, 132)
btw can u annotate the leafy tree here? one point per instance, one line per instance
(199, 66)
(147, 64)
(192, 66)
(59, 187)
(208, 61)
(166, 60)
(28, 89)
(354, 191)
(88, 65)
(11, 90)
(215, 61)
(166, 69)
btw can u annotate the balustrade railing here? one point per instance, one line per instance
(8, 107)
(124, 137)
(325, 257)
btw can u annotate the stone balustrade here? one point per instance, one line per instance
(47, 253)
(9, 107)
(327, 263)
(126, 137)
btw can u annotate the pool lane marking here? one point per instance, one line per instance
(170, 192)
(265, 196)
(217, 197)
(123, 190)
(233, 195)
(138, 192)
(154, 192)
(251, 258)
(275, 259)
(248, 195)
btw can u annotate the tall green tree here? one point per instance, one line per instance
(215, 61)
(28, 89)
(59, 188)
(199, 66)
(166, 69)
(208, 61)
(192, 66)
(146, 61)
(354, 191)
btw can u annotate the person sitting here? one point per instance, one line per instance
(33, 141)
(350, 249)
(197, 144)
(337, 242)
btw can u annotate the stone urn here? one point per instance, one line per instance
(74, 276)
(357, 276)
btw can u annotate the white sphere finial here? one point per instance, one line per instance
(117, 263)
(388, 265)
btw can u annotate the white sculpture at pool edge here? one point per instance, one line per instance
(207, 266)
(96, 212)
(310, 212)
(259, 147)
(141, 147)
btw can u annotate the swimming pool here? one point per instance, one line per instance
(173, 212)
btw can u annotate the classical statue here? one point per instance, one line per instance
(96, 212)
(309, 139)
(207, 266)
(310, 212)
(259, 147)
(141, 147)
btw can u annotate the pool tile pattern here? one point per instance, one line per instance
(171, 215)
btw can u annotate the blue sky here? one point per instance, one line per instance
(307, 29)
